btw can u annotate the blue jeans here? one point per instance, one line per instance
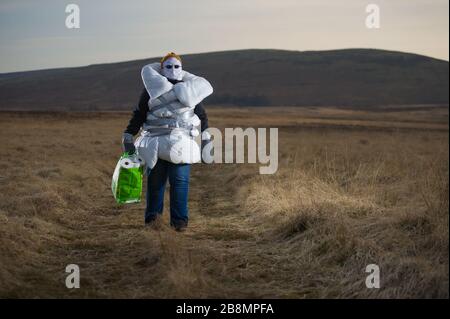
(178, 175)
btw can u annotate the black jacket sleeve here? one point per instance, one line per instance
(139, 114)
(199, 110)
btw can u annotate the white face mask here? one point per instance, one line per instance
(172, 69)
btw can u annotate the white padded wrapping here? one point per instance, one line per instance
(176, 147)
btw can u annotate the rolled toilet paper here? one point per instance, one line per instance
(140, 160)
(132, 161)
(128, 163)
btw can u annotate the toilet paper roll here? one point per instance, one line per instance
(134, 160)
(128, 163)
(140, 160)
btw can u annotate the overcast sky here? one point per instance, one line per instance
(33, 34)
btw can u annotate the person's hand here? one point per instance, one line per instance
(206, 149)
(129, 148)
(128, 144)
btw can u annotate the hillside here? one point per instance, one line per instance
(352, 77)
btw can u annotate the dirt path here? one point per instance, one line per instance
(120, 257)
(73, 219)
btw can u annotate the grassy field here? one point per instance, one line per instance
(353, 188)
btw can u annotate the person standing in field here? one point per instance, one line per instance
(169, 113)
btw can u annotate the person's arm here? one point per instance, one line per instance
(139, 115)
(134, 125)
(199, 110)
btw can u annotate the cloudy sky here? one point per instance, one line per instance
(33, 34)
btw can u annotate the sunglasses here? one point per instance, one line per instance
(176, 66)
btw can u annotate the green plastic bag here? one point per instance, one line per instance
(127, 179)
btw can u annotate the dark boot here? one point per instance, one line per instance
(180, 226)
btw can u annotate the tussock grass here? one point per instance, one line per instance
(352, 189)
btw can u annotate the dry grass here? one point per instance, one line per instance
(353, 188)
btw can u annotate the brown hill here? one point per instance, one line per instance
(349, 78)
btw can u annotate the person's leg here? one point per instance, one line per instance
(156, 184)
(179, 189)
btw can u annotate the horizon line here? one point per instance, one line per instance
(220, 51)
